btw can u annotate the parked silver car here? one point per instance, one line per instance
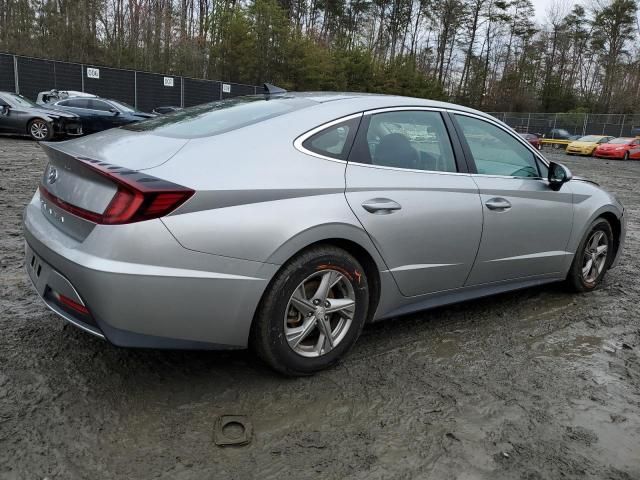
(286, 222)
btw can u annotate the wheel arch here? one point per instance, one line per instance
(616, 227)
(370, 261)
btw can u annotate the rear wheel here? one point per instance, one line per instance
(593, 257)
(312, 313)
(39, 130)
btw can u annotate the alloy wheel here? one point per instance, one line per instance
(39, 130)
(319, 313)
(595, 256)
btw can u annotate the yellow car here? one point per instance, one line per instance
(586, 145)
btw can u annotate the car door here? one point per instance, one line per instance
(634, 150)
(14, 116)
(106, 115)
(526, 224)
(6, 123)
(413, 196)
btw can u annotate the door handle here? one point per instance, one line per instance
(381, 206)
(498, 204)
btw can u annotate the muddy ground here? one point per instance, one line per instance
(534, 384)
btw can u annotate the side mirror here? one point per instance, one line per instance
(114, 111)
(4, 109)
(558, 175)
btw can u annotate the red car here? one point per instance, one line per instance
(532, 139)
(619, 148)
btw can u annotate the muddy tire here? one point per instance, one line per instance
(39, 130)
(312, 312)
(593, 258)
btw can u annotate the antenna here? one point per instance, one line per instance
(273, 90)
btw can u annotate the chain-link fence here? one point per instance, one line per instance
(146, 91)
(556, 125)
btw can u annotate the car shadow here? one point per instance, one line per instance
(153, 367)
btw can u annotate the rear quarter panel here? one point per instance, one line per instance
(258, 198)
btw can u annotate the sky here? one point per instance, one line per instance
(542, 7)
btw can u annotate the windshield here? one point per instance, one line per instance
(19, 100)
(621, 141)
(123, 106)
(219, 117)
(590, 138)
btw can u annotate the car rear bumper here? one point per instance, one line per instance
(154, 293)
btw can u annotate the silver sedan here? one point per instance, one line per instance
(285, 222)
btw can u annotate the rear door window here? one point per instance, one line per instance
(76, 103)
(409, 139)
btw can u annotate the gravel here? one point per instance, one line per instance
(534, 384)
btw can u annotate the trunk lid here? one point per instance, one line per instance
(71, 179)
(126, 148)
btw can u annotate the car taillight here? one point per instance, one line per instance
(138, 197)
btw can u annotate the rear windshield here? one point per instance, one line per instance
(621, 140)
(219, 117)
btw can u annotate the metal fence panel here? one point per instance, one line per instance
(110, 83)
(67, 76)
(616, 125)
(155, 90)
(34, 75)
(200, 91)
(230, 90)
(143, 89)
(7, 75)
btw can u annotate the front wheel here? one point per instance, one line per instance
(39, 130)
(312, 313)
(626, 156)
(593, 257)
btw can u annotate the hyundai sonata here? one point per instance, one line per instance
(287, 221)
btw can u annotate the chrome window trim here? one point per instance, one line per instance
(297, 143)
(403, 109)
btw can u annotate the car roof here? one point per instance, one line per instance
(370, 101)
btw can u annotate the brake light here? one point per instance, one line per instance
(139, 196)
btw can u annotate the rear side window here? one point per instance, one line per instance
(334, 141)
(495, 152)
(220, 117)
